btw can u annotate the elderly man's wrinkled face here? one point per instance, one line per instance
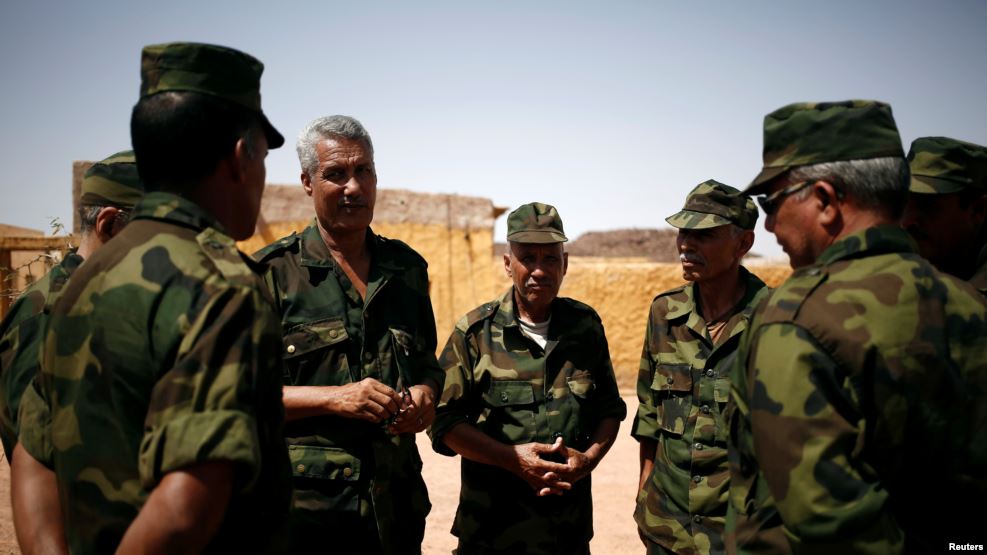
(707, 254)
(537, 270)
(792, 224)
(344, 186)
(945, 226)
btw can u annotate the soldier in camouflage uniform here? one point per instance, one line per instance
(859, 406)
(684, 382)
(947, 206)
(158, 404)
(110, 188)
(359, 357)
(530, 402)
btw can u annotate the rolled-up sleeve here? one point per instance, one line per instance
(205, 407)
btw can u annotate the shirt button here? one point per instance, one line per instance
(368, 356)
(669, 380)
(504, 397)
(333, 333)
(556, 435)
(699, 446)
(300, 468)
(549, 395)
(290, 349)
(697, 519)
(697, 479)
(710, 373)
(705, 409)
(347, 472)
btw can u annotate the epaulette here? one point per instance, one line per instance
(282, 244)
(678, 289)
(480, 313)
(226, 258)
(579, 306)
(785, 302)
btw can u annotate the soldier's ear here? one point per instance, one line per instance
(979, 210)
(565, 262)
(827, 198)
(306, 183)
(105, 221)
(507, 265)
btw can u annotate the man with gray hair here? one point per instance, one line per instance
(359, 356)
(859, 411)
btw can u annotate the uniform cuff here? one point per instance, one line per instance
(224, 435)
(645, 423)
(34, 421)
(440, 427)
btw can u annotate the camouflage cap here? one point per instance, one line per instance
(208, 69)
(535, 222)
(712, 204)
(815, 132)
(112, 181)
(941, 165)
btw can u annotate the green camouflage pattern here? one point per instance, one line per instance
(940, 165)
(162, 352)
(714, 204)
(683, 388)
(979, 279)
(807, 133)
(500, 381)
(859, 407)
(218, 71)
(21, 336)
(352, 474)
(535, 222)
(112, 181)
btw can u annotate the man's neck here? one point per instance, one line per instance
(531, 314)
(720, 294)
(88, 244)
(346, 246)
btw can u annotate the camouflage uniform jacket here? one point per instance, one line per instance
(979, 279)
(683, 388)
(20, 343)
(859, 407)
(162, 353)
(334, 337)
(500, 381)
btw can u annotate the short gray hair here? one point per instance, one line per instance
(876, 184)
(328, 127)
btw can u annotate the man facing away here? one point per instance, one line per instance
(158, 402)
(947, 206)
(359, 356)
(684, 384)
(859, 390)
(109, 190)
(530, 402)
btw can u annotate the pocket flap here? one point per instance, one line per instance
(310, 336)
(672, 377)
(507, 393)
(329, 463)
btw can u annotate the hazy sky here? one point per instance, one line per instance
(612, 111)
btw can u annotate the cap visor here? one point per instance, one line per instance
(934, 186)
(687, 219)
(760, 182)
(537, 237)
(274, 138)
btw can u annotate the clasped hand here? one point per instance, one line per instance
(546, 477)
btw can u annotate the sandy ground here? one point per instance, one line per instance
(614, 488)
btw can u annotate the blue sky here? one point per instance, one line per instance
(610, 111)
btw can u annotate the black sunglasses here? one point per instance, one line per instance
(769, 203)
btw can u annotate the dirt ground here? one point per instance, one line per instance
(614, 488)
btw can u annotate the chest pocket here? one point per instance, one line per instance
(307, 353)
(671, 390)
(510, 413)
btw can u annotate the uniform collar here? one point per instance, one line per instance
(881, 239)
(687, 306)
(315, 253)
(171, 208)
